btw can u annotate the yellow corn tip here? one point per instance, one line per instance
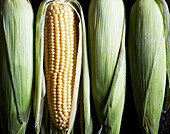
(60, 55)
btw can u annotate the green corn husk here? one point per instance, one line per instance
(43, 122)
(167, 95)
(148, 39)
(106, 35)
(16, 57)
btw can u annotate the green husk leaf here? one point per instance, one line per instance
(45, 129)
(147, 57)
(86, 123)
(16, 75)
(39, 96)
(106, 32)
(166, 18)
(40, 83)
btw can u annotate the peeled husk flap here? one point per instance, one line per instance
(16, 64)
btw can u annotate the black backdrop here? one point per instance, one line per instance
(130, 123)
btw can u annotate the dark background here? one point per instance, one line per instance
(130, 123)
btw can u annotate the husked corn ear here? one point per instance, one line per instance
(148, 56)
(60, 56)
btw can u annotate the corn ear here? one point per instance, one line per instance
(16, 57)
(106, 35)
(40, 86)
(148, 39)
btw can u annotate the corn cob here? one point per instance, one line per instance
(106, 35)
(60, 55)
(148, 42)
(16, 57)
(60, 30)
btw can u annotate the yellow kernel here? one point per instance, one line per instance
(59, 102)
(59, 99)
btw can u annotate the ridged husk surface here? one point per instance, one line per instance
(16, 64)
(106, 36)
(148, 42)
